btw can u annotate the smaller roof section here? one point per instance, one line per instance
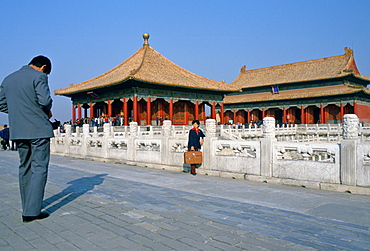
(147, 65)
(323, 68)
(313, 92)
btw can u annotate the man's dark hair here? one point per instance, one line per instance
(40, 61)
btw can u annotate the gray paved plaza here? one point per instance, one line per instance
(106, 206)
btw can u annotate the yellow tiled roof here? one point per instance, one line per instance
(296, 94)
(324, 68)
(147, 65)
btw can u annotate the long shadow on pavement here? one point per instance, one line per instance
(77, 188)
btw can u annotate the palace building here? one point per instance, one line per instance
(147, 88)
(308, 92)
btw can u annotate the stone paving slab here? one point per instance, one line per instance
(107, 206)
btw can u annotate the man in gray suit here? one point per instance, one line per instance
(25, 96)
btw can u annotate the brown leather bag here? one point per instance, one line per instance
(193, 157)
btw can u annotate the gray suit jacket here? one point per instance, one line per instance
(25, 96)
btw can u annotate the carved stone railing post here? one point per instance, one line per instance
(56, 132)
(95, 133)
(68, 130)
(165, 148)
(167, 127)
(86, 134)
(131, 143)
(107, 134)
(268, 127)
(211, 127)
(67, 138)
(348, 149)
(207, 148)
(77, 131)
(107, 129)
(351, 126)
(86, 129)
(267, 147)
(133, 129)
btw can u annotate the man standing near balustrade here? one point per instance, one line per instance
(25, 96)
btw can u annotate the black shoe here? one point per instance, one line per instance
(41, 216)
(193, 173)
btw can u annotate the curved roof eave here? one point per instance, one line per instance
(145, 81)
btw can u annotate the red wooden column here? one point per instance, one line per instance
(148, 112)
(73, 113)
(91, 110)
(109, 108)
(307, 116)
(322, 115)
(203, 113)
(355, 108)
(302, 115)
(171, 109)
(284, 114)
(79, 111)
(135, 110)
(249, 116)
(235, 117)
(263, 113)
(196, 110)
(288, 116)
(161, 113)
(213, 113)
(341, 111)
(222, 115)
(187, 114)
(125, 112)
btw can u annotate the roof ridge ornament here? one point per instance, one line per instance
(243, 69)
(348, 51)
(146, 39)
(146, 46)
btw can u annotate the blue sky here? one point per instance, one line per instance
(213, 39)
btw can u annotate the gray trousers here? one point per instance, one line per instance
(34, 157)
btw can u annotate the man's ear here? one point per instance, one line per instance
(42, 68)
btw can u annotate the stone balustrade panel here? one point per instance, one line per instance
(310, 161)
(363, 170)
(148, 150)
(236, 156)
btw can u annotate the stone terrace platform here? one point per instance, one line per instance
(106, 206)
